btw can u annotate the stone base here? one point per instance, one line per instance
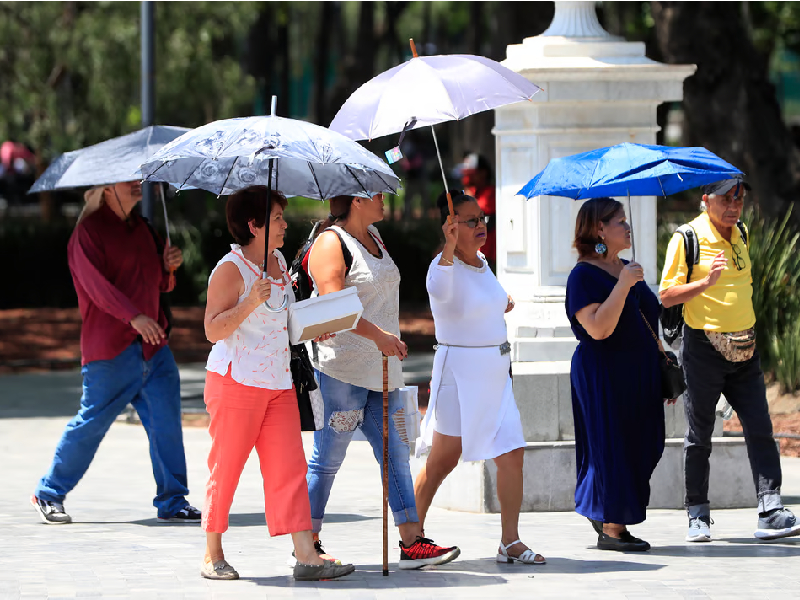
(549, 479)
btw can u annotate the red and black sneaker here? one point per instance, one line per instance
(424, 552)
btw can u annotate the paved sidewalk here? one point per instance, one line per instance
(117, 549)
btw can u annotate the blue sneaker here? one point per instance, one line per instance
(778, 523)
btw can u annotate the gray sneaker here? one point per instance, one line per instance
(219, 570)
(778, 523)
(328, 570)
(51, 513)
(699, 529)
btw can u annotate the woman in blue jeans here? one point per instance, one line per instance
(350, 370)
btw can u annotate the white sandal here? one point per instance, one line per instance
(527, 558)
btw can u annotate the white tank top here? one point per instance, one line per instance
(349, 357)
(258, 350)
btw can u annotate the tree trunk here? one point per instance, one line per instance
(730, 106)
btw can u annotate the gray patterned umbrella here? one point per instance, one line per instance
(295, 157)
(114, 161)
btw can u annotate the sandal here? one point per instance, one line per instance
(529, 557)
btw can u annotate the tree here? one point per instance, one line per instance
(730, 106)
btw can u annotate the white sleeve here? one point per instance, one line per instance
(440, 281)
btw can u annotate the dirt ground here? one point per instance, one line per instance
(49, 339)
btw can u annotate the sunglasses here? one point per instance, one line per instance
(737, 258)
(474, 222)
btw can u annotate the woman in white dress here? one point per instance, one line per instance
(472, 413)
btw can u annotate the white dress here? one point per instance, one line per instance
(471, 392)
(349, 357)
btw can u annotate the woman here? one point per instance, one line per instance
(351, 374)
(615, 376)
(249, 392)
(472, 411)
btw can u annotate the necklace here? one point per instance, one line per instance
(462, 257)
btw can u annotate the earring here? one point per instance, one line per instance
(600, 248)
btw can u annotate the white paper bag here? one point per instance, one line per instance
(409, 425)
(331, 313)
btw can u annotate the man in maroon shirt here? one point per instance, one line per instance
(476, 177)
(120, 268)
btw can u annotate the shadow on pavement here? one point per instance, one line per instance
(733, 548)
(252, 520)
(569, 565)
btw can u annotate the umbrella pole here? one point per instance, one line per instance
(630, 212)
(436, 143)
(444, 179)
(160, 188)
(385, 466)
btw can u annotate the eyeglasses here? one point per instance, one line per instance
(737, 257)
(474, 222)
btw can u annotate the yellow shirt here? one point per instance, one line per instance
(727, 305)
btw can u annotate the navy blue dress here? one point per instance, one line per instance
(616, 401)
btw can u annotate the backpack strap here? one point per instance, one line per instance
(691, 247)
(742, 231)
(346, 254)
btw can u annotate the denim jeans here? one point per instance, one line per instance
(348, 407)
(709, 374)
(153, 388)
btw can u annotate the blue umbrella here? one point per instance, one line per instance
(629, 170)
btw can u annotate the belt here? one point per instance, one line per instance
(505, 347)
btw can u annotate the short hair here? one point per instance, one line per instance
(249, 204)
(458, 197)
(591, 214)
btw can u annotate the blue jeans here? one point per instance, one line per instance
(153, 387)
(348, 407)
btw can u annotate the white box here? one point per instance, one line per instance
(331, 313)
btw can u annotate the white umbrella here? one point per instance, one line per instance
(428, 90)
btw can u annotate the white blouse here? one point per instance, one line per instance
(258, 350)
(468, 304)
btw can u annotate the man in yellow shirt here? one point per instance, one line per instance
(719, 357)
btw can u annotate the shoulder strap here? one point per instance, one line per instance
(691, 247)
(348, 256)
(742, 231)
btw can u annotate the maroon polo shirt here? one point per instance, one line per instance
(118, 274)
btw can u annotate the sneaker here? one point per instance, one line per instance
(699, 529)
(424, 552)
(188, 514)
(51, 513)
(778, 523)
(292, 560)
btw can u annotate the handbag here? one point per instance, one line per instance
(309, 398)
(673, 383)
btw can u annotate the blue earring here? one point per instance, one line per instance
(600, 248)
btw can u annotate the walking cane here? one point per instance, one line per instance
(385, 466)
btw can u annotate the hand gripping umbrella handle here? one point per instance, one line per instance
(283, 305)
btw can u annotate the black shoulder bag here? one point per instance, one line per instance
(673, 383)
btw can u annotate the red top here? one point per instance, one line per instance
(486, 200)
(118, 274)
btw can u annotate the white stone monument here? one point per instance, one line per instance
(598, 90)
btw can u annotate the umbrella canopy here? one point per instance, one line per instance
(296, 157)
(113, 161)
(429, 90)
(629, 170)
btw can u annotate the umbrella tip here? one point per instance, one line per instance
(413, 47)
(273, 106)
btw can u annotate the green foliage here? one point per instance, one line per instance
(774, 251)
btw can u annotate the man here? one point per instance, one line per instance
(476, 177)
(119, 270)
(719, 357)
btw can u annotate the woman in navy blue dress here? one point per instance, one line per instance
(615, 376)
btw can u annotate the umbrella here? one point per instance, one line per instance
(299, 158)
(629, 170)
(429, 90)
(114, 161)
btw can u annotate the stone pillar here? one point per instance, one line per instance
(598, 90)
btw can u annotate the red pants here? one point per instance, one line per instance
(243, 418)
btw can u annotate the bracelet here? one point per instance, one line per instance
(447, 262)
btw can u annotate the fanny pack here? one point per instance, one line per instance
(735, 346)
